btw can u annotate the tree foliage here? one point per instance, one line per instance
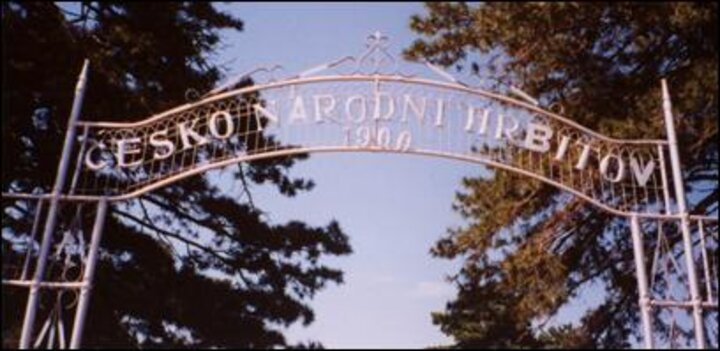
(528, 249)
(187, 265)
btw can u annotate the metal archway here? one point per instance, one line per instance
(372, 107)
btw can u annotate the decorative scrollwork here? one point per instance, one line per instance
(376, 58)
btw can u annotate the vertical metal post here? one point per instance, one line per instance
(666, 189)
(33, 295)
(78, 162)
(639, 253)
(90, 263)
(33, 233)
(706, 265)
(684, 221)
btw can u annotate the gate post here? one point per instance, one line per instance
(91, 262)
(642, 281)
(684, 220)
(33, 295)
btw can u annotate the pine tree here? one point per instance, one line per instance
(199, 268)
(527, 253)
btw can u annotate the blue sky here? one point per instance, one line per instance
(393, 207)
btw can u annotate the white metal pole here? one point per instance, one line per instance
(31, 243)
(684, 218)
(706, 266)
(33, 295)
(90, 264)
(639, 253)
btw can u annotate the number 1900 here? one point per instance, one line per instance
(378, 137)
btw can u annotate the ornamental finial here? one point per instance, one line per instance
(376, 39)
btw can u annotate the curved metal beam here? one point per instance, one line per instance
(326, 149)
(372, 78)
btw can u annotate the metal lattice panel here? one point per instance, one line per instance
(376, 114)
